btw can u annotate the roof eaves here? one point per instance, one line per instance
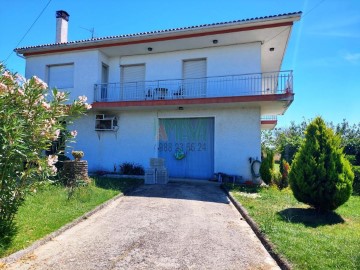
(157, 32)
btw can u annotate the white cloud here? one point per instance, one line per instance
(353, 58)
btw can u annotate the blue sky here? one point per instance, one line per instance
(324, 50)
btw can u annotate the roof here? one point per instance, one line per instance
(161, 32)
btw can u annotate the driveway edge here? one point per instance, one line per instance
(283, 264)
(18, 254)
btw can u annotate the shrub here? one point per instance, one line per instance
(77, 155)
(131, 169)
(267, 166)
(126, 168)
(138, 170)
(31, 120)
(351, 159)
(357, 158)
(320, 174)
(276, 179)
(356, 184)
(284, 171)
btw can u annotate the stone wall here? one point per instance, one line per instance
(75, 170)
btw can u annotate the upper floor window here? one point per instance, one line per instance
(194, 68)
(194, 78)
(133, 73)
(132, 81)
(61, 76)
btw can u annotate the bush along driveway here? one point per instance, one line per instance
(174, 226)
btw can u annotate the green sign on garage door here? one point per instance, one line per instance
(187, 145)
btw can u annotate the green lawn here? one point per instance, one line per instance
(307, 239)
(49, 209)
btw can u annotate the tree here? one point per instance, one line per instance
(320, 174)
(31, 119)
(267, 166)
(350, 136)
(288, 140)
(284, 171)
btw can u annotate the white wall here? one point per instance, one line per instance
(135, 141)
(236, 138)
(226, 60)
(87, 70)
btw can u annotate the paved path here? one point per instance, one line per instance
(174, 226)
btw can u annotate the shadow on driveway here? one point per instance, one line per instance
(183, 191)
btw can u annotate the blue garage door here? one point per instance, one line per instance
(187, 145)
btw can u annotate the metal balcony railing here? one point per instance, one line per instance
(268, 118)
(220, 86)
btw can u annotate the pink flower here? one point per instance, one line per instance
(53, 169)
(45, 105)
(87, 106)
(20, 79)
(73, 133)
(3, 88)
(52, 159)
(57, 134)
(82, 99)
(40, 82)
(60, 95)
(7, 75)
(21, 92)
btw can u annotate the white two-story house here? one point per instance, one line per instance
(196, 96)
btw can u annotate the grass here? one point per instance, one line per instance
(49, 209)
(307, 239)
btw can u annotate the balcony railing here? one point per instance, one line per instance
(268, 118)
(221, 86)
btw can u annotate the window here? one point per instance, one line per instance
(106, 122)
(104, 81)
(194, 76)
(133, 81)
(61, 76)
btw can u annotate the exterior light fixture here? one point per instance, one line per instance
(181, 108)
(215, 41)
(149, 49)
(272, 49)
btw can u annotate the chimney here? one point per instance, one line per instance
(62, 19)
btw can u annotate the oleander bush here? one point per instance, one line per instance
(32, 118)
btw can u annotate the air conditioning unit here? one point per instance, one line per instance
(105, 122)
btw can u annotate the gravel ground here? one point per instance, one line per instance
(174, 226)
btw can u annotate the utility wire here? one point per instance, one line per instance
(305, 14)
(31, 26)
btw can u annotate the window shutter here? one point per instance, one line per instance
(194, 81)
(132, 82)
(134, 73)
(194, 69)
(61, 76)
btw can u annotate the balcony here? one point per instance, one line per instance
(268, 121)
(255, 87)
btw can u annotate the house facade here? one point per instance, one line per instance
(196, 96)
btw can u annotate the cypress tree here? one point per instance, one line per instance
(320, 175)
(267, 166)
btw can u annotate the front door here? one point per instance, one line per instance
(187, 145)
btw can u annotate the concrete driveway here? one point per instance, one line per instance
(174, 226)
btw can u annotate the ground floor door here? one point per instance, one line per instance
(187, 145)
